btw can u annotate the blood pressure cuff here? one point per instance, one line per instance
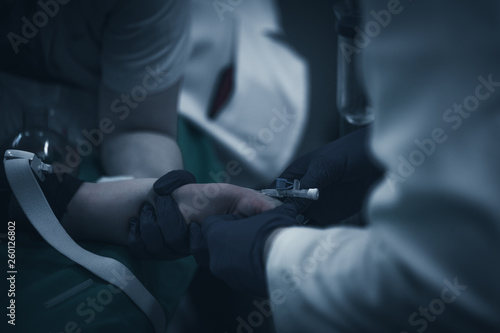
(58, 190)
(160, 232)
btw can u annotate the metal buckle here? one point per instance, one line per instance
(39, 168)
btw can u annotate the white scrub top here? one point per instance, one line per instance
(429, 259)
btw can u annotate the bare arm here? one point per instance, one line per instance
(101, 211)
(143, 144)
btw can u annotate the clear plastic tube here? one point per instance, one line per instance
(351, 97)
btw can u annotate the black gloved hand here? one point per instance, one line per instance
(161, 232)
(342, 171)
(236, 246)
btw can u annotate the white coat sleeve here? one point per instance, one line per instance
(428, 261)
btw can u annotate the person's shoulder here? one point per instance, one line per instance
(140, 37)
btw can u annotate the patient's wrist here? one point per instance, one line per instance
(198, 201)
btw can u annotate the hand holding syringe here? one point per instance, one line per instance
(285, 188)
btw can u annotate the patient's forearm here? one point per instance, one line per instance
(101, 211)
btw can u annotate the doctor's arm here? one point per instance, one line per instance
(427, 261)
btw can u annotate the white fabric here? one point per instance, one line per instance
(433, 240)
(32, 200)
(264, 120)
(114, 179)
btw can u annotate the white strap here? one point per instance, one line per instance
(32, 200)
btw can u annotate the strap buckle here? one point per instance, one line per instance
(39, 168)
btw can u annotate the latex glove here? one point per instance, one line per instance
(342, 171)
(162, 230)
(236, 246)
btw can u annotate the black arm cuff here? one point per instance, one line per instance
(58, 193)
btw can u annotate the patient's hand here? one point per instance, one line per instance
(198, 201)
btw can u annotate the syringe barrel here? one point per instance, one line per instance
(312, 193)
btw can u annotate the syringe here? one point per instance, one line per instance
(284, 189)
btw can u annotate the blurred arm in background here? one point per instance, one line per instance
(142, 60)
(144, 142)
